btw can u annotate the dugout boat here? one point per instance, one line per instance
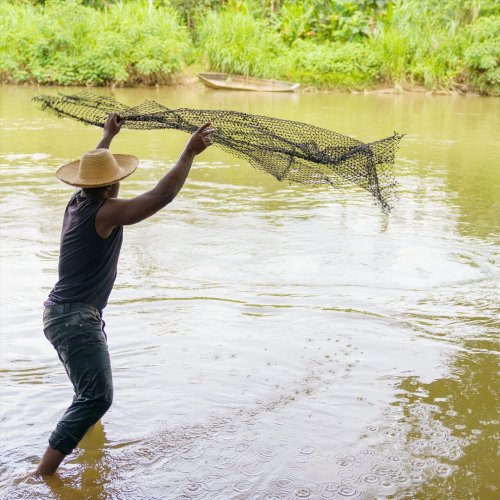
(239, 82)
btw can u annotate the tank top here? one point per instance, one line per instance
(87, 262)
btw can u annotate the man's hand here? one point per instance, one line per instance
(113, 124)
(200, 140)
(111, 128)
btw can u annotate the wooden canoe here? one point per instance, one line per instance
(239, 82)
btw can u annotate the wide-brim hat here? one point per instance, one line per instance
(97, 168)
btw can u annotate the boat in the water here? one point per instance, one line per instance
(240, 82)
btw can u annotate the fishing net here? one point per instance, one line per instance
(295, 151)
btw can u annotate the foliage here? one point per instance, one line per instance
(339, 65)
(482, 56)
(66, 42)
(191, 10)
(438, 44)
(424, 42)
(236, 42)
(341, 20)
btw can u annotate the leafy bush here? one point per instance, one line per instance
(423, 42)
(349, 65)
(295, 20)
(482, 57)
(234, 41)
(68, 43)
(324, 20)
(440, 44)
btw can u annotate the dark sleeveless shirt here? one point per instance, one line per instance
(87, 262)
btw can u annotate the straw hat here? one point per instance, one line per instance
(97, 168)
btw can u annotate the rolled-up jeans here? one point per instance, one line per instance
(76, 332)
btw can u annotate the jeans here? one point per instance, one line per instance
(76, 333)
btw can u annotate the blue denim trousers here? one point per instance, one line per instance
(76, 333)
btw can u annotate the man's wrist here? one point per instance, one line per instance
(188, 153)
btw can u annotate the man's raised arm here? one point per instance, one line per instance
(119, 212)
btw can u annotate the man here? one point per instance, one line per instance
(90, 246)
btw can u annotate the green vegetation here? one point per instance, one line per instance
(236, 42)
(427, 43)
(342, 44)
(68, 43)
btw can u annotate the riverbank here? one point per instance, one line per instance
(192, 82)
(450, 47)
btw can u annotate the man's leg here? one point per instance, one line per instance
(78, 338)
(50, 461)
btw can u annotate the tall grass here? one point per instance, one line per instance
(427, 43)
(438, 44)
(69, 43)
(234, 41)
(331, 65)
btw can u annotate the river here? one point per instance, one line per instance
(267, 340)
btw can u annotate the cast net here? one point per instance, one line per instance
(295, 151)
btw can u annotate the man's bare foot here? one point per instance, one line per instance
(30, 478)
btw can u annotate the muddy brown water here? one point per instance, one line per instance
(267, 340)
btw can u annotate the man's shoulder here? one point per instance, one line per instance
(76, 192)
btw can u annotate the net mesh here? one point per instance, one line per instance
(295, 151)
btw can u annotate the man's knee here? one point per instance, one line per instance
(103, 403)
(101, 392)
